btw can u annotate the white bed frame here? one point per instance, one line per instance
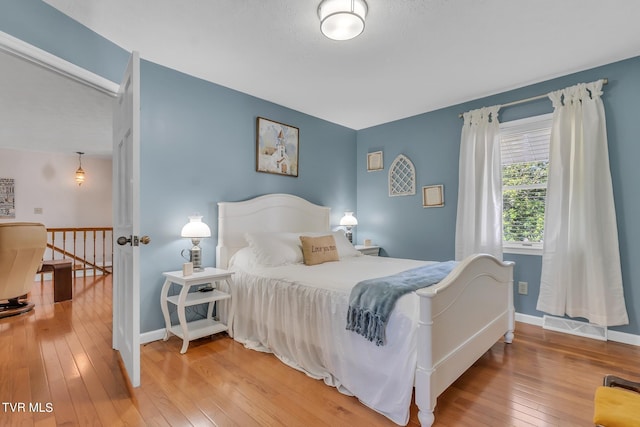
(477, 297)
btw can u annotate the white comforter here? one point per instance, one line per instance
(298, 312)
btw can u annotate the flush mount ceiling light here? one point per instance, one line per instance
(342, 19)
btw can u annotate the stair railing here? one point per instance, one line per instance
(90, 248)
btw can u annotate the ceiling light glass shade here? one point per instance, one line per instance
(195, 228)
(348, 219)
(342, 19)
(79, 171)
(79, 176)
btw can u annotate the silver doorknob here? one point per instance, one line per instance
(123, 240)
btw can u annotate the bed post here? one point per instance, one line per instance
(508, 336)
(425, 396)
(222, 255)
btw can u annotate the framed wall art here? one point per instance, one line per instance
(7, 198)
(433, 196)
(402, 177)
(374, 161)
(277, 147)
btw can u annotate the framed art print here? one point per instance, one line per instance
(277, 147)
(433, 196)
(374, 161)
(7, 198)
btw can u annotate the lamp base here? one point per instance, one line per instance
(195, 257)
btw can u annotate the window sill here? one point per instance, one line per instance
(522, 250)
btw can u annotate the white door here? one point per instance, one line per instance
(126, 220)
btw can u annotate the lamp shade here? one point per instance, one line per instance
(195, 228)
(80, 176)
(79, 171)
(342, 19)
(348, 219)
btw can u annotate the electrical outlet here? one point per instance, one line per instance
(37, 211)
(523, 288)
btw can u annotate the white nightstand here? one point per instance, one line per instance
(368, 250)
(210, 277)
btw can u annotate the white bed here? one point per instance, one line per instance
(298, 312)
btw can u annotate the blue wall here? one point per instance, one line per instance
(197, 145)
(431, 140)
(41, 25)
(198, 148)
(182, 114)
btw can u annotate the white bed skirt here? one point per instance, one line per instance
(305, 327)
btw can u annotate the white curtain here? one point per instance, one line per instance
(581, 274)
(479, 219)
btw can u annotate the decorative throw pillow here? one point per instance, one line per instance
(316, 250)
(344, 246)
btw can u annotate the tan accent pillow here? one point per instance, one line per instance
(316, 250)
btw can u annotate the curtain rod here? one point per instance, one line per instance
(533, 98)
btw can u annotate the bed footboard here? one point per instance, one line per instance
(476, 297)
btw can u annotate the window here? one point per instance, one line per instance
(525, 159)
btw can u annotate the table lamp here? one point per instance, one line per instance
(349, 221)
(195, 229)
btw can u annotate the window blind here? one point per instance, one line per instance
(524, 141)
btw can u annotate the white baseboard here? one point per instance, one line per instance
(151, 336)
(527, 318)
(616, 336)
(624, 337)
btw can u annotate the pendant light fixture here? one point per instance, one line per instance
(342, 19)
(79, 172)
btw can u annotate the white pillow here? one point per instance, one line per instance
(345, 248)
(243, 259)
(280, 248)
(273, 249)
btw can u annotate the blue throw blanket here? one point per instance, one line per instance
(372, 300)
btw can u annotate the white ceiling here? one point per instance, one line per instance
(41, 110)
(414, 55)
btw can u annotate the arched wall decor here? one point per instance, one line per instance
(402, 177)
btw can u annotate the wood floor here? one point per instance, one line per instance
(57, 368)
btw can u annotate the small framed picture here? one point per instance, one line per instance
(7, 198)
(276, 147)
(433, 196)
(374, 161)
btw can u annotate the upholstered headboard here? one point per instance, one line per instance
(269, 213)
